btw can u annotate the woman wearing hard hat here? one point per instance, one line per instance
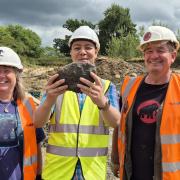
(19, 152)
(148, 141)
(79, 124)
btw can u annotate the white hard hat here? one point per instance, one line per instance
(9, 58)
(85, 32)
(158, 33)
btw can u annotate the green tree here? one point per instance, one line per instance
(24, 41)
(5, 37)
(61, 45)
(124, 47)
(116, 17)
(141, 31)
(159, 23)
(178, 35)
(50, 52)
(71, 24)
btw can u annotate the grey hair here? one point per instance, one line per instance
(171, 46)
(19, 91)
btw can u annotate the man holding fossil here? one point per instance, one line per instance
(79, 122)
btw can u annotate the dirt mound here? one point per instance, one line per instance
(35, 78)
(116, 70)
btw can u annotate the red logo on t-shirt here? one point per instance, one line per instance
(147, 111)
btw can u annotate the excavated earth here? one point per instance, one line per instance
(35, 79)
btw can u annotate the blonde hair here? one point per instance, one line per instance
(19, 91)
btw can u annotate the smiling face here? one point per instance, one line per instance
(83, 51)
(158, 57)
(7, 81)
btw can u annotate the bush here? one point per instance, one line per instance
(124, 47)
(45, 61)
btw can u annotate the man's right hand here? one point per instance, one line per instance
(55, 88)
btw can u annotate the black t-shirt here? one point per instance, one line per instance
(148, 100)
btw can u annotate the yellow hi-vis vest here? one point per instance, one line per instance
(74, 135)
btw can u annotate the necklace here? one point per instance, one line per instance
(6, 110)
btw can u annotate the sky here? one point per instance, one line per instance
(46, 17)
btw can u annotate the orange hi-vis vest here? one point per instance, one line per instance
(25, 109)
(169, 127)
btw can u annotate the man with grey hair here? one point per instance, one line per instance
(149, 131)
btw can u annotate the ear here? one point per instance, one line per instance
(173, 55)
(96, 51)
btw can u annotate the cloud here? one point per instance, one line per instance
(50, 33)
(145, 12)
(46, 17)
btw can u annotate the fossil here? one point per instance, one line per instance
(73, 71)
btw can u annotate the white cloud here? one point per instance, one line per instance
(46, 17)
(49, 34)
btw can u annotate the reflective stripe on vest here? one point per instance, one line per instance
(28, 105)
(170, 139)
(128, 88)
(72, 128)
(171, 167)
(30, 160)
(121, 136)
(65, 151)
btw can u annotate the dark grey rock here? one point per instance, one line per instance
(73, 71)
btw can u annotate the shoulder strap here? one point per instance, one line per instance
(128, 88)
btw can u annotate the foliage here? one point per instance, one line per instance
(73, 24)
(5, 37)
(45, 61)
(116, 17)
(124, 46)
(24, 41)
(159, 23)
(178, 35)
(141, 31)
(61, 45)
(50, 52)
